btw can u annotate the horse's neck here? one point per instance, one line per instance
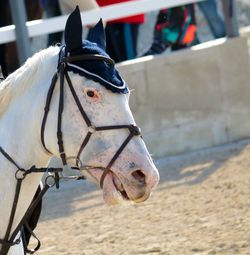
(19, 137)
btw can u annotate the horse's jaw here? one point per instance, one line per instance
(119, 189)
(114, 192)
(112, 187)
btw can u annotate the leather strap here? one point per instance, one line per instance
(8, 240)
(77, 101)
(87, 57)
(25, 243)
(59, 118)
(134, 131)
(46, 110)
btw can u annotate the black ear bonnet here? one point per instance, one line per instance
(96, 70)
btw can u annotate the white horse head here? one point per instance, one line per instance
(89, 116)
(100, 99)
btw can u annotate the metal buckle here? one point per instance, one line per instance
(68, 171)
(79, 163)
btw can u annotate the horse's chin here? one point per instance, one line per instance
(112, 195)
(113, 190)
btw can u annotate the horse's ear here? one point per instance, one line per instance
(73, 31)
(97, 35)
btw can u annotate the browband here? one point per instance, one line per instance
(87, 57)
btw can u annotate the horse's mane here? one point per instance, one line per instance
(20, 80)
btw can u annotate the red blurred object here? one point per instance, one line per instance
(131, 19)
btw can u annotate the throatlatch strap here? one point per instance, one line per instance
(6, 155)
(46, 110)
(59, 118)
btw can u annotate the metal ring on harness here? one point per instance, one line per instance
(20, 174)
(47, 181)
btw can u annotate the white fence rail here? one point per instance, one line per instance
(46, 26)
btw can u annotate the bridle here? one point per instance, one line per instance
(63, 73)
(21, 173)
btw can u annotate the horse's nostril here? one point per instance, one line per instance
(139, 176)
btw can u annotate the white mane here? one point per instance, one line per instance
(34, 68)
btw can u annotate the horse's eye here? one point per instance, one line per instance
(90, 93)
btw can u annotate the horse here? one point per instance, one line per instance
(70, 102)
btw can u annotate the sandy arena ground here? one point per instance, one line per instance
(202, 206)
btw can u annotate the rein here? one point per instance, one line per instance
(20, 175)
(51, 180)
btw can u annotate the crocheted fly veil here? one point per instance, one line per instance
(96, 70)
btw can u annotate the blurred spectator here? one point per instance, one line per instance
(54, 8)
(122, 34)
(175, 28)
(51, 9)
(67, 6)
(216, 24)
